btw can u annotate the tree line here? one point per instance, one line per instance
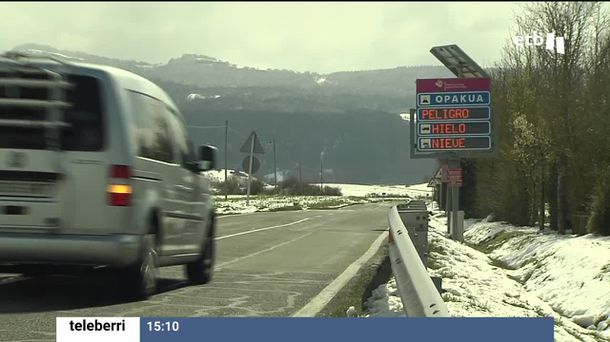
(552, 113)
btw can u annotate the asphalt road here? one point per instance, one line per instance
(268, 264)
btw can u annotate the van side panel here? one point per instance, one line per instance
(89, 171)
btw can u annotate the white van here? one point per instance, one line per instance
(97, 169)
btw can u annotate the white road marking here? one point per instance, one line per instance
(328, 293)
(262, 229)
(261, 251)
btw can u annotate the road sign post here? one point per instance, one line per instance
(226, 151)
(254, 147)
(245, 164)
(453, 120)
(250, 168)
(455, 175)
(274, 168)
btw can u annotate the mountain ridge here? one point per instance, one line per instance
(206, 71)
(351, 115)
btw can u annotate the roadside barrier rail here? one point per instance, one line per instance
(419, 295)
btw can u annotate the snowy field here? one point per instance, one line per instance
(351, 194)
(352, 190)
(363, 190)
(238, 204)
(219, 175)
(526, 274)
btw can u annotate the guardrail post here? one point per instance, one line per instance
(457, 232)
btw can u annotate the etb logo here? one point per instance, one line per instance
(552, 43)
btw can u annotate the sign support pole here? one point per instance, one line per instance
(250, 169)
(449, 205)
(321, 179)
(441, 196)
(300, 181)
(455, 232)
(274, 168)
(226, 167)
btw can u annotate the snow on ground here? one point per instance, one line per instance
(351, 194)
(215, 175)
(365, 190)
(385, 301)
(564, 277)
(570, 273)
(349, 190)
(419, 190)
(237, 204)
(219, 175)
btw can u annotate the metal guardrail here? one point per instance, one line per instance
(419, 295)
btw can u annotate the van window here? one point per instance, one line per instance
(184, 145)
(85, 116)
(85, 132)
(151, 127)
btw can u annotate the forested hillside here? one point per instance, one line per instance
(553, 112)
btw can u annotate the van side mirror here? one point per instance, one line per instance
(207, 157)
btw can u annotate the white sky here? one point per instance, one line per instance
(321, 37)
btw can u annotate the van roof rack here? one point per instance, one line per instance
(19, 63)
(15, 55)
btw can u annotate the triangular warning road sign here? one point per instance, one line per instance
(258, 148)
(424, 99)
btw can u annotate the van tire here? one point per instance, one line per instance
(140, 279)
(200, 271)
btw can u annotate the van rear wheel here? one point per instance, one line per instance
(140, 279)
(200, 271)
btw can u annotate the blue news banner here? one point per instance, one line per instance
(180, 329)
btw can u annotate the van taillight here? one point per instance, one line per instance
(120, 171)
(119, 190)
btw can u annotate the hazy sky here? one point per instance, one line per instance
(321, 37)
